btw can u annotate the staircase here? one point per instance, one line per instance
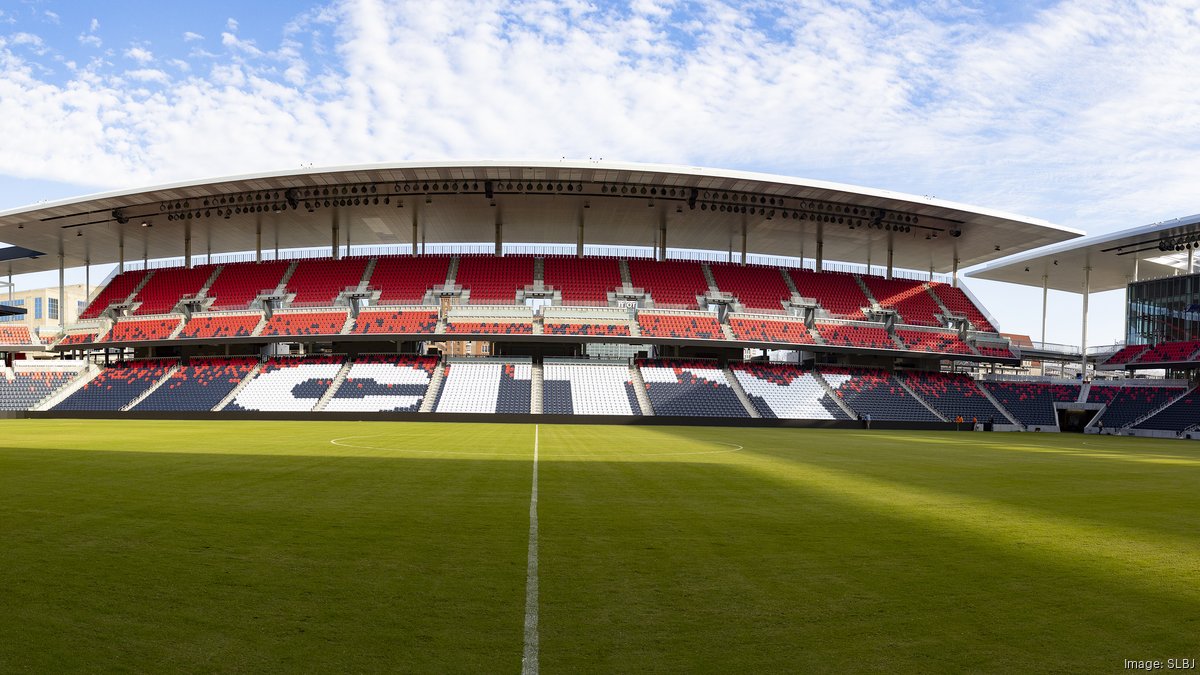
(435, 387)
(539, 271)
(1003, 411)
(535, 389)
(348, 325)
(866, 291)
(899, 343)
(178, 329)
(141, 397)
(334, 386)
(367, 272)
(138, 289)
(287, 276)
(639, 390)
(708, 275)
(452, 271)
(623, 264)
(84, 376)
(1159, 409)
(728, 332)
(833, 395)
(736, 386)
(203, 293)
(238, 389)
(261, 324)
(929, 290)
(904, 385)
(1084, 391)
(787, 279)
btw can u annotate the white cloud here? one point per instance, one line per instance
(51, 17)
(148, 75)
(1075, 114)
(94, 25)
(139, 54)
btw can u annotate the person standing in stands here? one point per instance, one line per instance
(1100, 426)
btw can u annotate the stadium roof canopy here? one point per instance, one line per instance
(1111, 260)
(597, 202)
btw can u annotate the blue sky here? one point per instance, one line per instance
(1083, 113)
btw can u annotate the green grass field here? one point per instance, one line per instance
(263, 546)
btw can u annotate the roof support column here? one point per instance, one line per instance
(1087, 282)
(931, 271)
(1192, 261)
(276, 241)
(662, 235)
(954, 273)
(349, 226)
(62, 293)
(890, 258)
(499, 235)
(187, 245)
(414, 230)
(335, 233)
(820, 267)
(1045, 292)
(579, 234)
(258, 240)
(120, 250)
(1136, 259)
(87, 280)
(744, 238)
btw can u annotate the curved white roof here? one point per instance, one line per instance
(618, 203)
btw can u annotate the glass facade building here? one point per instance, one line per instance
(1163, 310)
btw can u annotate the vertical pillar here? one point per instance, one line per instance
(1087, 291)
(499, 234)
(1136, 259)
(662, 236)
(1045, 291)
(120, 251)
(954, 272)
(579, 236)
(258, 240)
(277, 241)
(820, 247)
(62, 294)
(335, 232)
(744, 237)
(869, 270)
(1192, 261)
(931, 271)
(87, 280)
(414, 230)
(890, 257)
(187, 244)
(349, 226)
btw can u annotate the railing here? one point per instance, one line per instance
(534, 249)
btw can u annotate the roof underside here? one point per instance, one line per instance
(618, 204)
(1113, 260)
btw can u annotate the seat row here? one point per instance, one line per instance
(678, 325)
(406, 280)
(689, 388)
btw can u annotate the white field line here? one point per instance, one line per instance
(529, 660)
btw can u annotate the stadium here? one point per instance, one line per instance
(296, 427)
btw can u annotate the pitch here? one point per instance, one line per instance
(282, 546)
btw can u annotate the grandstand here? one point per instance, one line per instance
(611, 331)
